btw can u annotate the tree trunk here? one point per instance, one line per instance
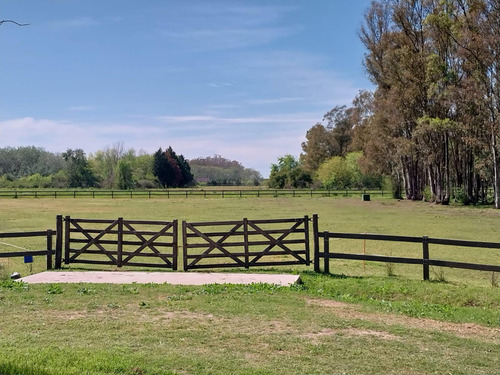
(496, 171)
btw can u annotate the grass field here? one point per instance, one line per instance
(355, 321)
(383, 216)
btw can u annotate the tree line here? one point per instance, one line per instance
(115, 168)
(435, 122)
(333, 156)
(432, 125)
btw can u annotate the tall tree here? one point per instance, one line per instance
(161, 168)
(288, 173)
(319, 146)
(79, 172)
(171, 170)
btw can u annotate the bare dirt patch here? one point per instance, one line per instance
(351, 312)
(350, 332)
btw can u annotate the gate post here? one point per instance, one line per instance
(245, 240)
(66, 239)
(176, 245)
(306, 230)
(316, 242)
(184, 246)
(59, 239)
(49, 249)
(120, 241)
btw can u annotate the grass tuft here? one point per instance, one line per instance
(495, 283)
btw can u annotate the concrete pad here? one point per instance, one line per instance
(174, 278)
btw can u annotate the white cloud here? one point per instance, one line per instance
(256, 142)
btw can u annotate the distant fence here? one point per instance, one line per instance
(187, 193)
(425, 260)
(48, 251)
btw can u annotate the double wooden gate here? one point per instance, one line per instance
(121, 242)
(245, 243)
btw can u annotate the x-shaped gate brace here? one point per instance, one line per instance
(220, 243)
(117, 227)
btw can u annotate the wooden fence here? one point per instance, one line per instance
(187, 193)
(246, 243)
(118, 242)
(425, 260)
(47, 252)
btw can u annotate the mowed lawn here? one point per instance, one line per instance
(356, 321)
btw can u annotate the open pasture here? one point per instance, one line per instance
(355, 321)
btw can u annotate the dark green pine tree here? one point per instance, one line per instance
(161, 168)
(186, 170)
(171, 170)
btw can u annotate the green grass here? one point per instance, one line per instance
(255, 329)
(355, 321)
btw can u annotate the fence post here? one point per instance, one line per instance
(425, 248)
(67, 223)
(327, 253)
(184, 245)
(175, 247)
(245, 240)
(308, 249)
(316, 243)
(59, 239)
(120, 241)
(49, 249)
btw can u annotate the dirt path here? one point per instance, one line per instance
(466, 330)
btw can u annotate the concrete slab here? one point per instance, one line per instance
(174, 278)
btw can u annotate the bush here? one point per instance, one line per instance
(145, 184)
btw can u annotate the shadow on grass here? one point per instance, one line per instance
(17, 369)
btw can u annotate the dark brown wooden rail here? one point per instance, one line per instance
(425, 260)
(47, 252)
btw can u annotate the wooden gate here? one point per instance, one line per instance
(246, 243)
(121, 242)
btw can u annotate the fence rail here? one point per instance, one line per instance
(187, 193)
(48, 251)
(425, 260)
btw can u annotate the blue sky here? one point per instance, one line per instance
(242, 79)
